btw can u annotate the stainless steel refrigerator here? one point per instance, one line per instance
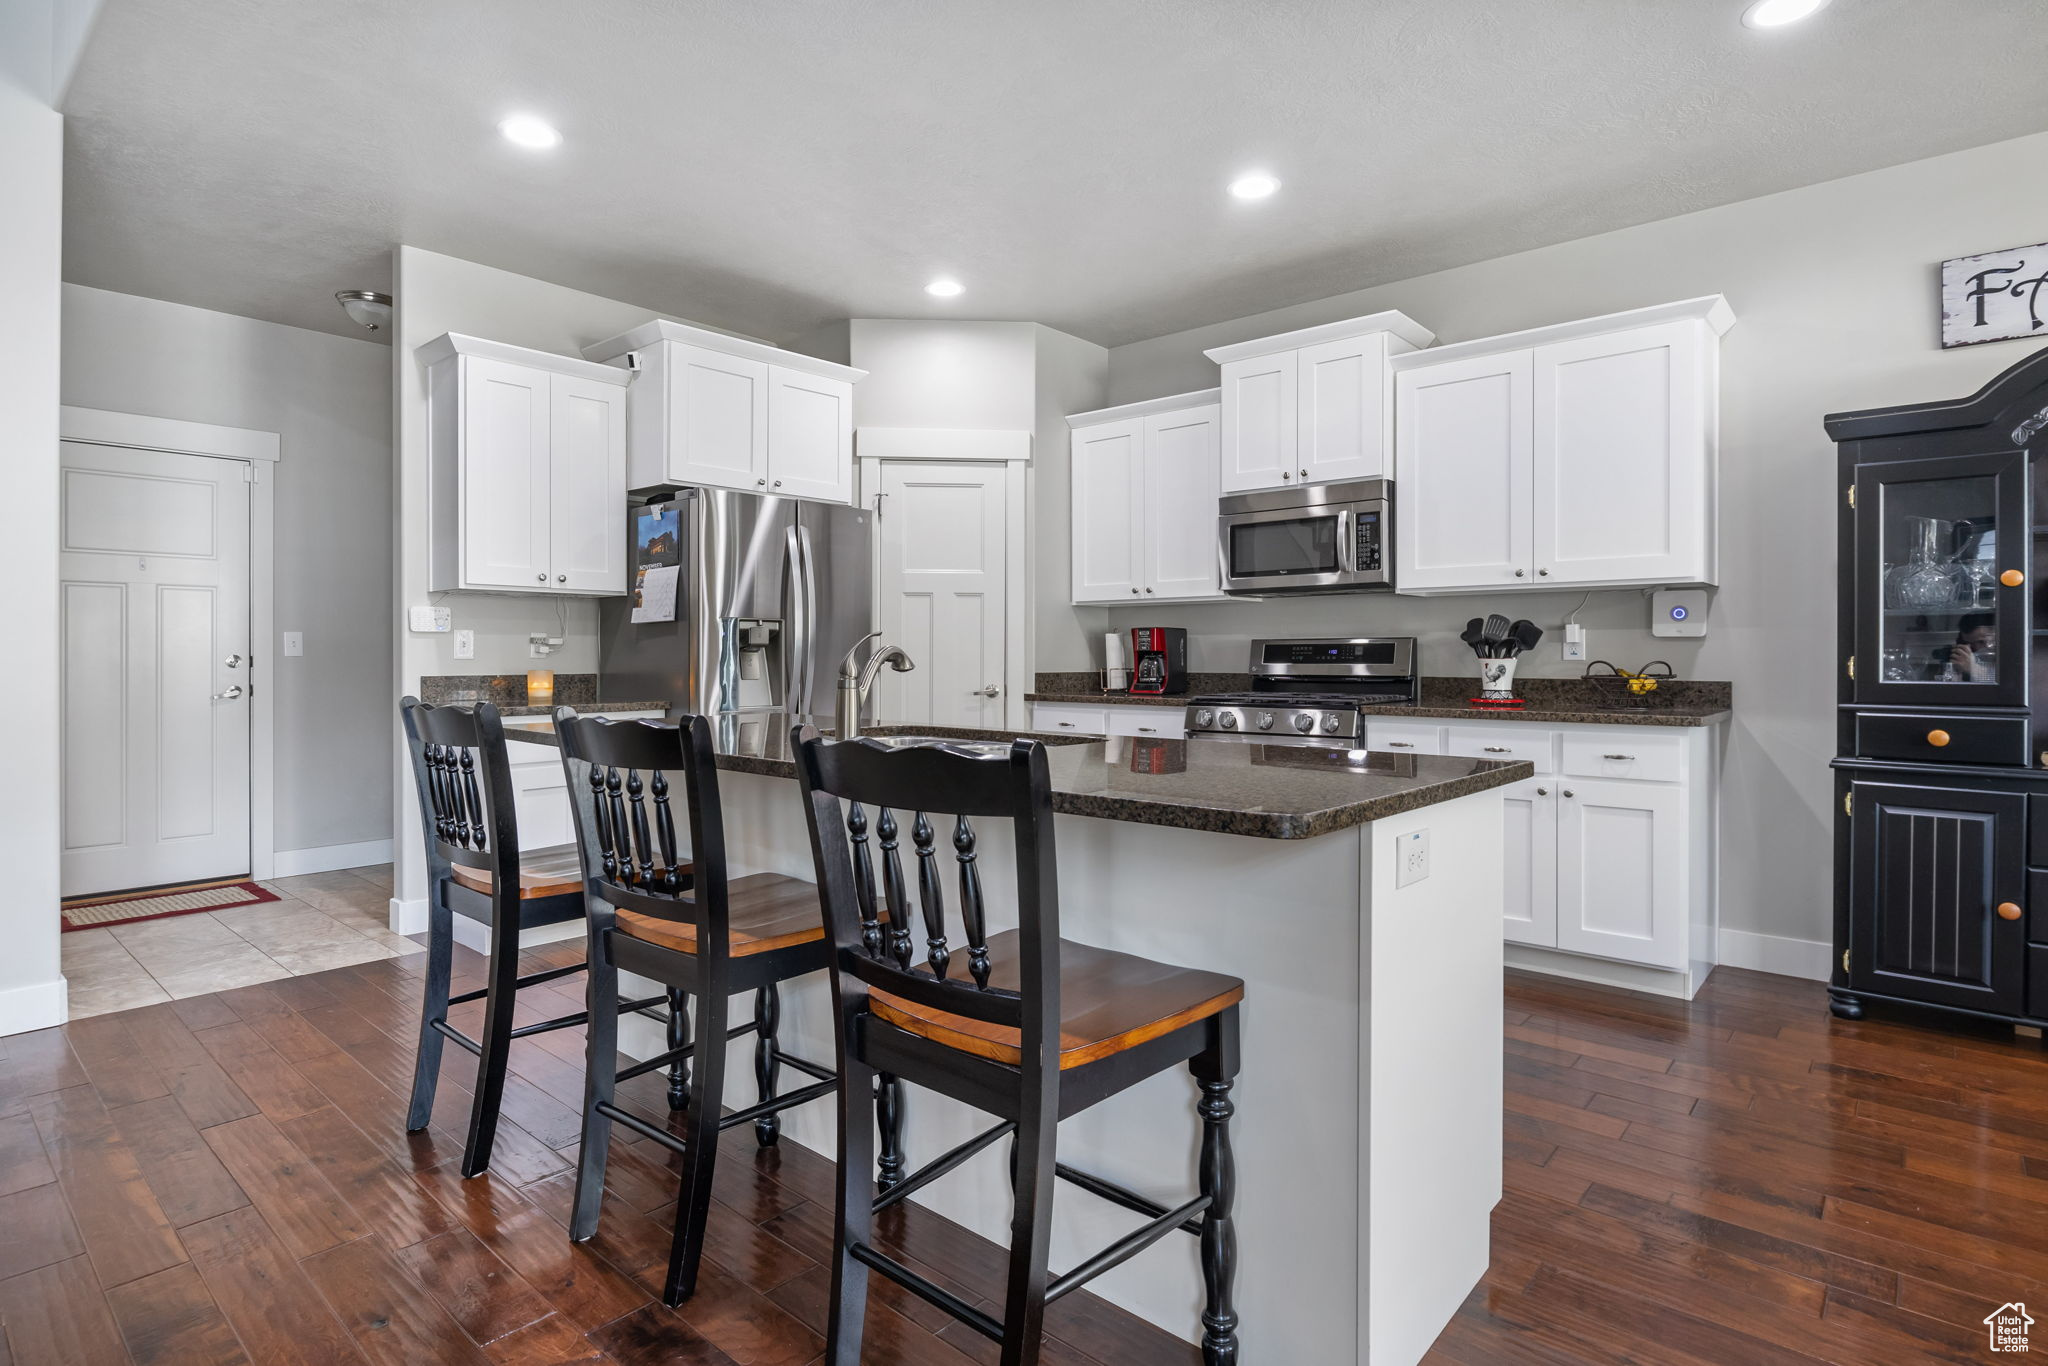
(770, 594)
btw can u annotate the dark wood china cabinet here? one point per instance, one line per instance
(1941, 774)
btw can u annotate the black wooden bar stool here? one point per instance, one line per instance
(711, 938)
(475, 869)
(1030, 1028)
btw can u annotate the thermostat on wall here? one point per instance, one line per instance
(1678, 612)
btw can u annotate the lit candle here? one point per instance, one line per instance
(540, 687)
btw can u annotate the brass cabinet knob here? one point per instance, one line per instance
(2012, 578)
(2008, 910)
(1937, 738)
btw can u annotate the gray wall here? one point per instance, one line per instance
(1072, 376)
(1834, 288)
(329, 400)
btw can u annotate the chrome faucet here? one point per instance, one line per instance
(854, 683)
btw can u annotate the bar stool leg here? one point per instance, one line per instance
(496, 1051)
(700, 1153)
(767, 1019)
(1030, 1230)
(426, 1072)
(1215, 1070)
(889, 1119)
(854, 1209)
(678, 1035)
(600, 1079)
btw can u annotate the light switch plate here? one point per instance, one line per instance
(427, 618)
(1411, 855)
(294, 644)
(465, 645)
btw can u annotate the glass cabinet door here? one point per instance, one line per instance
(1943, 550)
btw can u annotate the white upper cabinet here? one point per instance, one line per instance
(722, 412)
(1461, 473)
(1144, 501)
(1576, 456)
(1311, 406)
(527, 461)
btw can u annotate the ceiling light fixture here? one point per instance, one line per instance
(1257, 185)
(1778, 13)
(366, 307)
(528, 131)
(944, 289)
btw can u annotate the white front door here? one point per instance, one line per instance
(154, 601)
(943, 585)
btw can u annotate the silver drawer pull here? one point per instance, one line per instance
(1500, 749)
(1400, 744)
(1148, 730)
(1066, 725)
(1619, 757)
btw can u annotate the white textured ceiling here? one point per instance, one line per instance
(770, 166)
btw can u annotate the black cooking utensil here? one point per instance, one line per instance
(1474, 631)
(1496, 632)
(1524, 635)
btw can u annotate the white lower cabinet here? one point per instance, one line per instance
(1166, 722)
(1156, 723)
(1621, 860)
(1531, 858)
(1058, 716)
(540, 789)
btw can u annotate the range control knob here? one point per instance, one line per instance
(1265, 720)
(1205, 717)
(1331, 723)
(1304, 722)
(1228, 720)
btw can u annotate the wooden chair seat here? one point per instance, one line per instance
(1109, 1002)
(763, 911)
(554, 871)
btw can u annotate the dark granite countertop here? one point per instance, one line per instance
(508, 693)
(591, 707)
(1230, 787)
(1553, 714)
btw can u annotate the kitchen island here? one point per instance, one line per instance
(1368, 1124)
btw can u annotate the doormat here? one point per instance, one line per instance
(91, 913)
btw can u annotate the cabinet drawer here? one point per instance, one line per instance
(1164, 723)
(1404, 739)
(1942, 737)
(1536, 746)
(1645, 757)
(1087, 720)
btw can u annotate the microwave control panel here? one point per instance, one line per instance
(1368, 548)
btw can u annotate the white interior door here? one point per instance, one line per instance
(943, 585)
(154, 602)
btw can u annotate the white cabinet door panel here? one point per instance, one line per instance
(1621, 873)
(1342, 421)
(1108, 470)
(1158, 723)
(720, 415)
(1260, 416)
(1056, 716)
(1618, 457)
(1509, 746)
(1404, 738)
(1462, 474)
(1178, 496)
(505, 488)
(810, 436)
(587, 486)
(1530, 846)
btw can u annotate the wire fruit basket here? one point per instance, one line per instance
(1622, 688)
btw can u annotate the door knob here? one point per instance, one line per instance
(2008, 910)
(233, 661)
(230, 695)
(990, 691)
(2012, 578)
(1937, 738)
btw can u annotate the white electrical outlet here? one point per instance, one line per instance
(1411, 853)
(1574, 646)
(465, 645)
(427, 619)
(294, 644)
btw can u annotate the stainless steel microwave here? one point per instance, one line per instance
(1322, 538)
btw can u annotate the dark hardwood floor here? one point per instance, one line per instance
(1741, 1179)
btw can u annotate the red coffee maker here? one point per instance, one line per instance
(1159, 660)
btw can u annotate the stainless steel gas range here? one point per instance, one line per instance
(1311, 692)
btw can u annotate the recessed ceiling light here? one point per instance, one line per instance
(944, 288)
(1255, 186)
(528, 131)
(1778, 13)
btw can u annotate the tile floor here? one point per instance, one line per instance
(324, 920)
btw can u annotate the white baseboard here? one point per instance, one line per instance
(38, 1005)
(408, 917)
(1775, 953)
(329, 858)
